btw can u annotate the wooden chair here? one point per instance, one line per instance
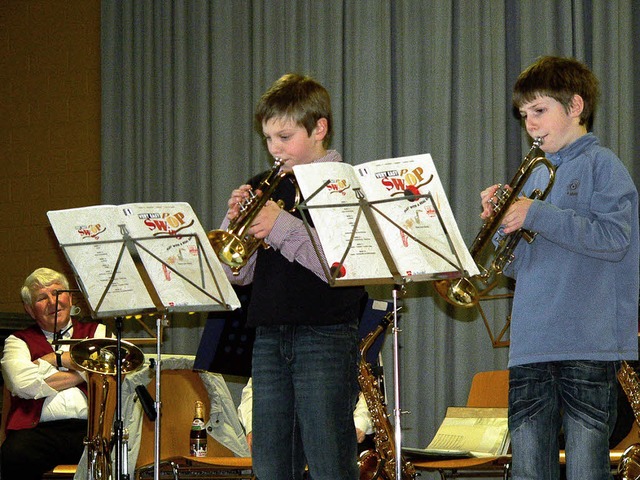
(179, 390)
(491, 389)
(488, 389)
(6, 401)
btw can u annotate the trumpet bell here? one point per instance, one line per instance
(459, 293)
(99, 355)
(231, 249)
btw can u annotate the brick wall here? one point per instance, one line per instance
(49, 129)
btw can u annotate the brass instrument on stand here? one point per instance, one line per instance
(234, 245)
(381, 462)
(629, 466)
(98, 357)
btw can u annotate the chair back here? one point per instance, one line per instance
(179, 389)
(6, 403)
(489, 389)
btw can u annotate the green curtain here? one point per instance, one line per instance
(181, 78)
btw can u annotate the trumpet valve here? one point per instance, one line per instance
(246, 203)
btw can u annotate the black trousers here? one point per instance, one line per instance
(28, 454)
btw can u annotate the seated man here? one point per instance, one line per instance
(47, 419)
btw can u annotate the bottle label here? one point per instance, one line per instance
(198, 424)
(198, 447)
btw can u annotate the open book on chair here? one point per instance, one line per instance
(468, 432)
(383, 220)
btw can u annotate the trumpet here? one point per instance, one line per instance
(463, 292)
(234, 245)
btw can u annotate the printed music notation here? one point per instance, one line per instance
(472, 432)
(123, 255)
(382, 215)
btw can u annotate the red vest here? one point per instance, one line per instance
(25, 412)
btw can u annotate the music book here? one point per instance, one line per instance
(383, 220)
(142, 257)
(469, 432)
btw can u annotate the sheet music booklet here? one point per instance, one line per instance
(111, 248)
(468, 432)
(383, 220)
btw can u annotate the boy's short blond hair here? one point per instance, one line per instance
(41, 277)
(559, 78)
(299, 98)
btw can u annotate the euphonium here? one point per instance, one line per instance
(462, 292)
(629, 466)
(234, 245)
(97, 356)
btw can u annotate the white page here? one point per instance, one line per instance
(92, 242)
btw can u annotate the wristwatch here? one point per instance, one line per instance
(59, 361)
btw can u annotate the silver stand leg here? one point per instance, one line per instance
(396, 388)
(160, 322)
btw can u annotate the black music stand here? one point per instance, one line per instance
(451, 256)
(226, 344)
(141, 258)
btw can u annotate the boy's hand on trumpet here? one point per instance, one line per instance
(515, 216)
(237, 198)
(265, 219)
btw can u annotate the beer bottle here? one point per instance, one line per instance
(198, 435)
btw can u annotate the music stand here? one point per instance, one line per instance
(141, 258)
(362, 238)
(226, 343)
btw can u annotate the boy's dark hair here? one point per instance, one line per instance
(299, 98)
(559, 78)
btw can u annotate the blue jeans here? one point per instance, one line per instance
(304, 392)
(580, 397)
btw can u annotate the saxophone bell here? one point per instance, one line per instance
(629, 466)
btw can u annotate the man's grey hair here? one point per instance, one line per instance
(39, 278)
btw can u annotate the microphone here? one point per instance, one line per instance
(75, 310)
(147, 402)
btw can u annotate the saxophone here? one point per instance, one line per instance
(381, 462)
(629, 466)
